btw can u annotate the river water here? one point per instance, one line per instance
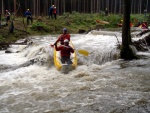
(101, 83)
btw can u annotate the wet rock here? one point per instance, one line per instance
(10, 50)
(81, 31)
(7, 51)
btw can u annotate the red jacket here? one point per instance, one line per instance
(63, 37)
(54, 11)
(64, 50)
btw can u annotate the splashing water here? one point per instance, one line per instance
(102, 83)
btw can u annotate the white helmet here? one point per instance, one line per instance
(66, 40)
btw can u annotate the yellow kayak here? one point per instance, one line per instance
(65, 68)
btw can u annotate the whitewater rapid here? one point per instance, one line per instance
(102, 83)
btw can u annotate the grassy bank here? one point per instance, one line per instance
(73, 22)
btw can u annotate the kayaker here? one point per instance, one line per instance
(65, 52)
(64, 36)
(144, 25)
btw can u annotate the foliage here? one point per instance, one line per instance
(40, 26)
(138, 18)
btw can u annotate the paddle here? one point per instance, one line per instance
(81, 51)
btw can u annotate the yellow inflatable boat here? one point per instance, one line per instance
(65, 68)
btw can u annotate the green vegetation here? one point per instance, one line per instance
(74, 22)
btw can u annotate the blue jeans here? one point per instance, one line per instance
(66, 59)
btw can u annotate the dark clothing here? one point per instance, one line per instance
(51, 12)
(65, 52)
(63, 37)
(28, 13)
(11, 28)
(7, 16)
(65, 59)
(106, 12)
(145, 11)
(29, 17)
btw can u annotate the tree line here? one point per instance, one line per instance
(40, 7)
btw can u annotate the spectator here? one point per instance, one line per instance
(51, 11)
(106, 12)
(28, 16)
(7, 15)
(145, 11)
(55, 13)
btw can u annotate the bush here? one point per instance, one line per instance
(40, 26)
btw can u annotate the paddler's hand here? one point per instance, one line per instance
(52, 45)
(55, 43)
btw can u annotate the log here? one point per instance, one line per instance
(143, 32)
(142, 44)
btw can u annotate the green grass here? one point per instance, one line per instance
(76, 21)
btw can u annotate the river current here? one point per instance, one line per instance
(101, 83)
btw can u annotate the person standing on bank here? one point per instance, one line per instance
(51, 11)
(62, 37)
(55, 13)
(145, 12)
(65, 52)
(106, 12)
(29, 16)
(7, 15)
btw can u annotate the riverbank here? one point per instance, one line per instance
(75, 23)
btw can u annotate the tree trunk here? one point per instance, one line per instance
(14, 6)
(147, 5)
(120, 7)
(115, 7)
(112, 7)
(2, 7)
(91, 6)
(64, 6)
(34, 8)
(58, 8)
(108, 5)
(126, 52)
(131, 6)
